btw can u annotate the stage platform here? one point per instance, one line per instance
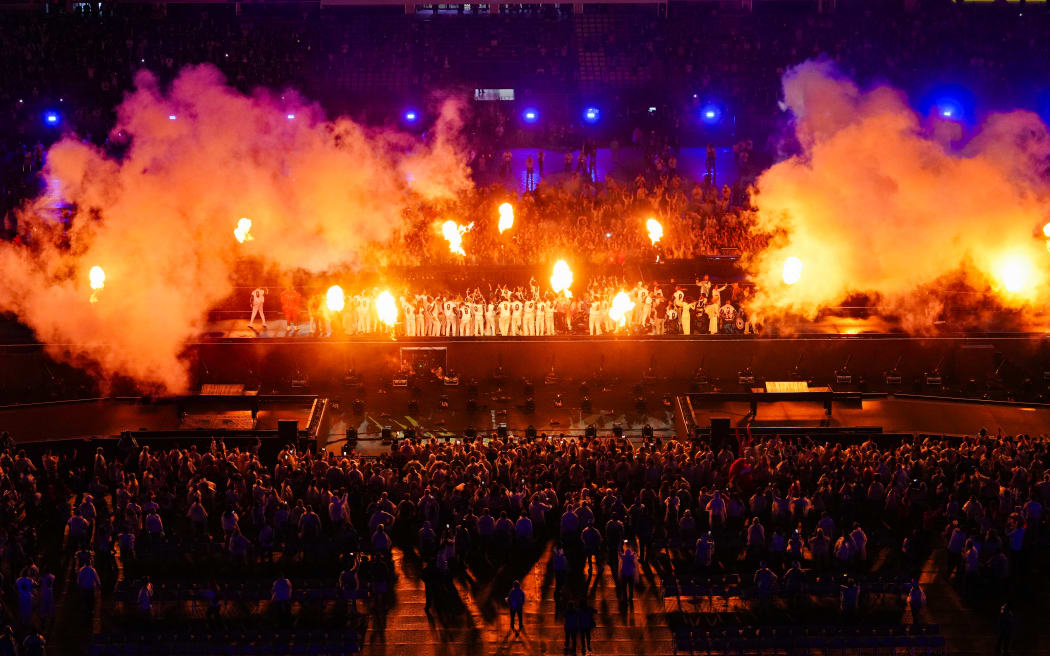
(167, 421)
(986, 363)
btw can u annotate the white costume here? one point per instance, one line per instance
(490, 320)
(515, 318)
(529, 328)
(712, 317)
(465, 321)
(504, 318)
(594, 319)
(258, 299)
(686, 314)
(410, 319)
(477, 311)
(450, 319)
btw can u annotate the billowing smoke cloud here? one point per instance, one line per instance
(160, 218)
(879, 202)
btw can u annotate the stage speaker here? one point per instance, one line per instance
(410, 434)
(530, 433)
(720, 434)
(501, 431)
(470, 433)
(590, 432)
(617, 431)
(647, 433)
(351, 436)
(387, 434)
(287, 430)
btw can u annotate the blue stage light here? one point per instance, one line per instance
(290, 117)
(171, 117)
(530, 115)
(591, 114)
(949, 102)
(411, 116)
(710, 114)
(52, 118)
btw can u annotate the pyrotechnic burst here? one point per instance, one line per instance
(875, 204)
(243, 230)
(621, 305)
(561, 278)
(97, 280)
(656, 231)
(1015, 273)
(334, 298)
(453, 234)
(506, 217)
(386, 308)
(792, 270)
(320, 193)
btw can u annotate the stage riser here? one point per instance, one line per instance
(768, 358)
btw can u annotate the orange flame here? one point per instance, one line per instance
(386, 308)
(561, 278)
(243, 230)
(506, 217)
(621, 305)
(97, 279)
(335, 299)
(656, 231)
(453, 234)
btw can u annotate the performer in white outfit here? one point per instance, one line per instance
(515, 317)
(450, 318)
(711, 310)
(529, 327)
(436, 323)
(541, 309)
(685, 313)
(258, 299)
(421, 317)
(477, 312)
(490, 320)
(504, 318)
(549, 318)
(594, 319)
(466, 321)
(410, 318)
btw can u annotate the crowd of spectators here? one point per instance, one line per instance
(597, 223)
(80, 62)
(766, 509)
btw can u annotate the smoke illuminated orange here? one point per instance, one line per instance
(876, 204)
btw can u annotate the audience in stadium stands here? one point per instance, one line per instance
(776, 513)
(81, 63)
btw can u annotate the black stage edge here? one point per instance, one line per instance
(918, 362)
(167, 422)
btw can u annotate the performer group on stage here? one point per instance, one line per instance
(604, 308)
